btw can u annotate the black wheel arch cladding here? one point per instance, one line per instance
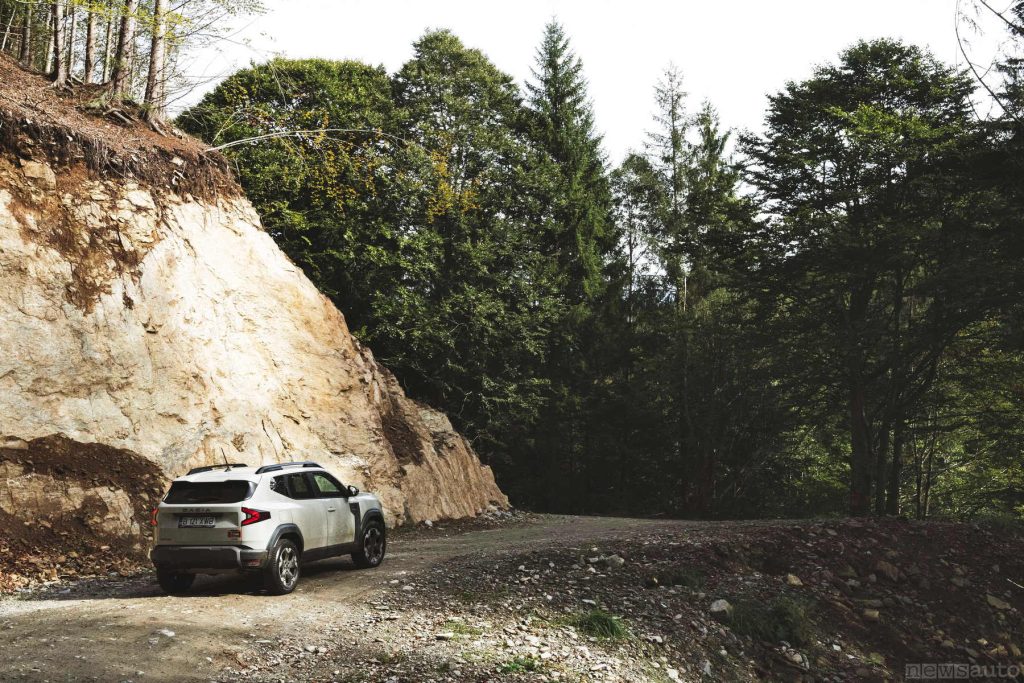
(286, 530)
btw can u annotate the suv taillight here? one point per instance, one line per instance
(253, 516)
(152, 517)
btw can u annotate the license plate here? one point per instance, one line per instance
(186, 522)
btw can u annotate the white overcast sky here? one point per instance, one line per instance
(730, 53)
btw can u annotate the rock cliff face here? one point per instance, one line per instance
(145, 332)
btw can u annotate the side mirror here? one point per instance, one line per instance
(353, 491)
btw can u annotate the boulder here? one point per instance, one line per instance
(614, 561)
(41, 174)
(721, 610)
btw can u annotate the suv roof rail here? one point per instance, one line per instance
(197, 470)
(281, 465)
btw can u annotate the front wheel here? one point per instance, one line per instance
(174, 583)
(374, 543)
(282, 571)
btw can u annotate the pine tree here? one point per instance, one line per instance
(580, 199)
(578, 243)
(667, 148)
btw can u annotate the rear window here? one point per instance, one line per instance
(195, 492)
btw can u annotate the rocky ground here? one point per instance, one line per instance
(545, 598)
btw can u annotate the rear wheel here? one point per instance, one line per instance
(174, 582)
(282, 571)
(374, 544)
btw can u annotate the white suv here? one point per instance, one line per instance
(261, 521)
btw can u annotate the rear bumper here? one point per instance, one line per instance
(202, 558)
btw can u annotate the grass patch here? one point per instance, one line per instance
(781, 619)
(600, 624)
(460, 628)
(520, 665)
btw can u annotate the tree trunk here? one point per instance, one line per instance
(26, 38)
(155, 97)
(7, 32)
(929, 459)
(860, 454)
(60, 64)
(90, 48)
(70, 59)
(881, 461)
(892, 505)
(918, 471)
(107, 51)
(861, 463)
(48, 63)
(124, 58)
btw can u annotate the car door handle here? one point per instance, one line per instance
(332, 509)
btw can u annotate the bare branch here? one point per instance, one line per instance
(301, 133)
(974, 69)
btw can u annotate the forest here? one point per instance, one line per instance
(820, 318)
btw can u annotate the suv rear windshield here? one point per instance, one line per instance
(194, 492)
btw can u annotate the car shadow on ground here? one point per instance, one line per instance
(144, 585)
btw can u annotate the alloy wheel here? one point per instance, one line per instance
(373, 545)
(288, 566)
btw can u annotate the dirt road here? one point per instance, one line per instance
(118, 629)
(548, 598)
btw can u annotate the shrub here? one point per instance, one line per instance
(600, 624)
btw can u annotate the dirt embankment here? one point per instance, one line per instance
(545, 598)
(78, 125)
(65, 513)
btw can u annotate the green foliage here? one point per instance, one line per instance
(836, 311)
(480, 323)
(860, 168)
(562, 124)
(322, 196)
(411, 202)
(573, 235)
(780, 619)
